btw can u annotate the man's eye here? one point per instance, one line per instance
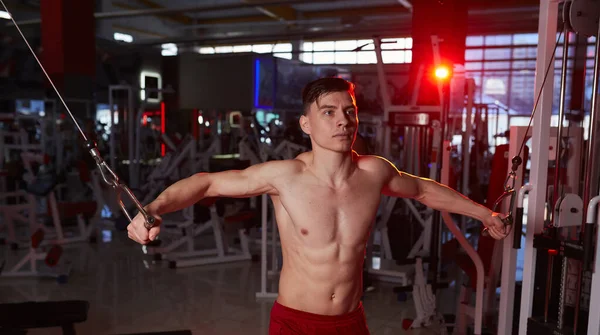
(350, 112)
(328, 112)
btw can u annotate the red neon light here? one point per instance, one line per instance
(163, 148)
(442, 72)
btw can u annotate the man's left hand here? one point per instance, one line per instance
(496, 227)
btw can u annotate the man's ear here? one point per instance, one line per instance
(304, 124)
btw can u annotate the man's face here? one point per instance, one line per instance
(332, 122)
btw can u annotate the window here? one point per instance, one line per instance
(306, 57)
(262, 48)
(473, 54)
(496, 65)
(345, 45)
(324, 46)
(242, 48)
(224, 49)
(324, 58)
(286, 55)
(169, 49)
(367, 57)
(504, 67)
(503, 53)
(525, 39)
(495, 86)
(123, 37)
(365, 44)
(394, 51)
(206, 50)
(529, 64)
(530, 52)
(474, 41)
(345, 57)
(283, 47)
(283, 50)
(498, 40)
(392, 43)
(471, 66)
(393, 57)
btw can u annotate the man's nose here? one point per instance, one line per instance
(343, 120)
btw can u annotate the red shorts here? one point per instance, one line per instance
(288, 321)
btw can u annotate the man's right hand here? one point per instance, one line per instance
(138, 232)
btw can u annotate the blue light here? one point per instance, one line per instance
(256, 81)
(257, 86)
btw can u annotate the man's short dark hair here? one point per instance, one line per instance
(316, 89)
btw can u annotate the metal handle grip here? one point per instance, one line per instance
(518, 228)
(588, 246)
(112, 179)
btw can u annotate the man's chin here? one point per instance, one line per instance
(340, 148)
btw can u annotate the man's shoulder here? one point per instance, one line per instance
(285, 166)
(302, 160)
(371, 162)
(375, 164)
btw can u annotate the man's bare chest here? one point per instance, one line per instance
(345, 212)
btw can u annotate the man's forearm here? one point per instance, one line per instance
(443, 198)
(180, 195)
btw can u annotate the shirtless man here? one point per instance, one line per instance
(325, 204)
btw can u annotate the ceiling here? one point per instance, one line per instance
(212, 22)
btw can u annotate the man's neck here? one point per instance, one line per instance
(333, 167)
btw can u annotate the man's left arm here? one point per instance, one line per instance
(439, 197)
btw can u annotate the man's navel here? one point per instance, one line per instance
(304, 231)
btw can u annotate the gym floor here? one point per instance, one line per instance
(129, 293)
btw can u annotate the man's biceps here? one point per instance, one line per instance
(413, 185)
(227, 183)
(264, 185)
(405, 186)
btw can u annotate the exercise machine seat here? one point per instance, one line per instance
(27, 315)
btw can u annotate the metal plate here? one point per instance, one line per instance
(584, 16)
(410, 119)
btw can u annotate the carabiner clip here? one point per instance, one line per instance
(509, 182)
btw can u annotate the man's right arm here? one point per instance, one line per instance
(255, 180)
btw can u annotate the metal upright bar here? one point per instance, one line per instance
(131, 131)
(385, 97)
(561, 116)
(111, 139)
(590, 185)
(547, 27)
